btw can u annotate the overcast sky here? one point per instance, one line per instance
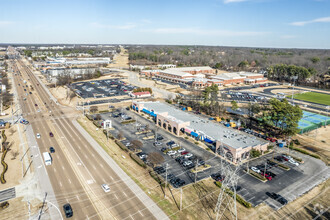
(250, 23)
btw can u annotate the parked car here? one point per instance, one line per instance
(187, 163)
(255, 169)
(171, 153)
(35, 104)
(51, 134)
(184, 152)
(170, 176)
(294, 162)
(163, 149)
(272, 195)
(159, 170)
(157, 143)
(282, 200)
(189, 155)
(215, 175)
(68, 210)
(170, 143)
(266, 176)
(159, 137)
(181, 150)
(38, 135)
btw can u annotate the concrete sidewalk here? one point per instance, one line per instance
(148, 202)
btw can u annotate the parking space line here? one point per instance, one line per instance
(124, 194)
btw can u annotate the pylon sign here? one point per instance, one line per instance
(107, 124)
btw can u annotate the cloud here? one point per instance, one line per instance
(318, 20)
(127, 26)
(205, 32)
(5, 23)
(232, 1)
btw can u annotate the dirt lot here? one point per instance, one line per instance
(14, 172)
(120, 60)
(19, 209)
(317, 142)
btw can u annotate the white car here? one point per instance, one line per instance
(187, 163)
(105, 187)
(294, 162)
(171, 153)
(255, 169)
(38, 135)
(181, 150)
(189, 155)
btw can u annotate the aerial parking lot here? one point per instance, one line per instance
(180, 157)
(102, 88)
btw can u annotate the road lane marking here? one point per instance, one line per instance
(77, 197)
(69, 181)
(62, 167)
(94, 167)
(54, 169)
(141, 213)
(101, 165)
(116, 196)
(124, 194)
(60, 183)
(131, 216)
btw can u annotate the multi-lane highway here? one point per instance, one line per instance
(77, 169)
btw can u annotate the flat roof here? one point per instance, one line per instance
(215, 131)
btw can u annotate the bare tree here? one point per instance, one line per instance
(155, 158)
(14, 153)
(120, 135)
(136, 144)
(98, 117)
(93, 109)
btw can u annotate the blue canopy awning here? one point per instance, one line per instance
(194, 134)
(134, 107)
(208, 140)
(153, 114)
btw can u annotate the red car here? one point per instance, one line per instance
(184, 152)
(262, 86)
(267, 176)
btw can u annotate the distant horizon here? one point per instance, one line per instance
(179, 45)
(294, 24)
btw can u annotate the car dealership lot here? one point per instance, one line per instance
(289, 184)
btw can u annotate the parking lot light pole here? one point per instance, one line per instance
(165, 180)
(196, 170)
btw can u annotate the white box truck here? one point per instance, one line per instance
(47, 158)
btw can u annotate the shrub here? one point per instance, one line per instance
(5, 166)
(255, 153)
(103, 111)
(128, 122)
(186, 138)
(296, 141)
(196, 142)
(121, 145)
(257, 175)
(138, 160)
(109, 134)
(306, 152)
(89, 117)
(97, 124)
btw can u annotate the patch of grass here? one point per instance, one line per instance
(315, 97)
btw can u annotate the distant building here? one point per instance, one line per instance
(140, 94)
(165, 66)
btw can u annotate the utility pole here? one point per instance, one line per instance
(43, 204)
(181, 199)
(165, 180)
(196, 170)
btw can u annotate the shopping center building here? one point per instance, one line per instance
(230, 143)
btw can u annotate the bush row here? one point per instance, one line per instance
(257, 175)
(239, 199)
(103, 111)
(122, 146)
(127, 122)
(137, 160)
(96, 123)
(306, 152)
(4, 205)
(109, 134)
(89, 117)
(5, 166)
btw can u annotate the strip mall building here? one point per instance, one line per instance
(230, 143)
